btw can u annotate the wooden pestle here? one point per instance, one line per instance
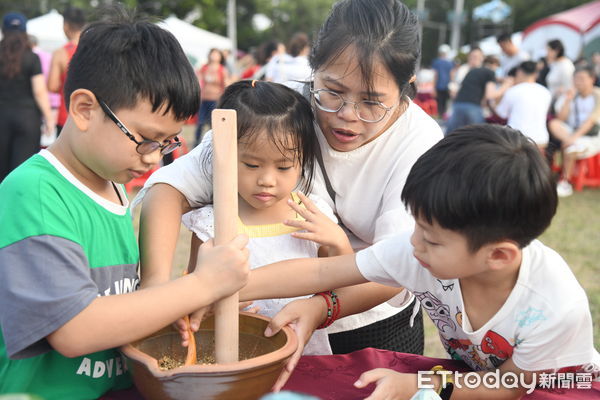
(225, 204)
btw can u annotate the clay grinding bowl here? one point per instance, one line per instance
(247, 379)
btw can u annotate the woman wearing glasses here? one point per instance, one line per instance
(370, 134)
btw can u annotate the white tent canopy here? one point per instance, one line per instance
(576, 28)
(48, 29)
(196, 42)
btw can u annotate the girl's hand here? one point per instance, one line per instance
(197, 317)
(303, 316)
(391, 385)
(319, 228)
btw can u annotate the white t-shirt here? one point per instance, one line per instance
(509, 62)
(367, 182)
(545, 323)
(580, 109)
(526, 107)
(268, 244)
(284, 67)
(560, 76)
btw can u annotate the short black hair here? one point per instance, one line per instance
(528, 67)
(282, 113)
(74, 17)
(297, 43)
(557, 46)
(491, 60)
(488, 182)
(380, 30)
(586, 68)
(124, 60)
(504, 37)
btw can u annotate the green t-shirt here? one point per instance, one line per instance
(61, 246)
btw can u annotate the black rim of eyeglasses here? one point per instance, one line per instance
(165, 149)
(315, 94)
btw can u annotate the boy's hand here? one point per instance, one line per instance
(391, 385)
(225, 268)
(319, 228)
(303, 316)
(195, 319)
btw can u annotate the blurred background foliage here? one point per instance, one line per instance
(290, 16)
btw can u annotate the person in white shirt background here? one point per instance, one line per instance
(293, 65)
(525, 105)
(560, 74)
(511, 57)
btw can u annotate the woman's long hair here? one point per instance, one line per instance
(12, 47)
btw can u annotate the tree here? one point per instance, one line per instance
(290, 16)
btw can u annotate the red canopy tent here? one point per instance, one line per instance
(578, 29)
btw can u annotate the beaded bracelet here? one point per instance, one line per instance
(333, 307)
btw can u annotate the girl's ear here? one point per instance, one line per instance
(81, 107)
(412, 78)
(503, 254)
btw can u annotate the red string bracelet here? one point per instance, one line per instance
(333, 307)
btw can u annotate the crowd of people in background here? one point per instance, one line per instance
(554, 100)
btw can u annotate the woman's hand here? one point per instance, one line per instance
(319, 228)
(304, 316)
(390, 385)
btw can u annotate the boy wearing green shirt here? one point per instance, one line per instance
(68, 254)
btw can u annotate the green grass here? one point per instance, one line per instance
(575, 234)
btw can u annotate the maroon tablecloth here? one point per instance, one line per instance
(332, 377)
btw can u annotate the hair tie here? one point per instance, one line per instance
(253, 83)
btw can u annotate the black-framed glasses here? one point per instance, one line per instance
(366, 110)
(145, 146)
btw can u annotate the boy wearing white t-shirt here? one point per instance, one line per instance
(526, 104)
(499, 298)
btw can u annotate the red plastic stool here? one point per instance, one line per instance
(427, 102)
(587, 173)
(139, 182)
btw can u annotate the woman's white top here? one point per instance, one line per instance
(367, 182)
(560, 76)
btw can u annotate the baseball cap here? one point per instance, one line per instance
(444, 49)
(14, 21)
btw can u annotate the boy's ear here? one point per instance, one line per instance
(83, 103)
(503, 254)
